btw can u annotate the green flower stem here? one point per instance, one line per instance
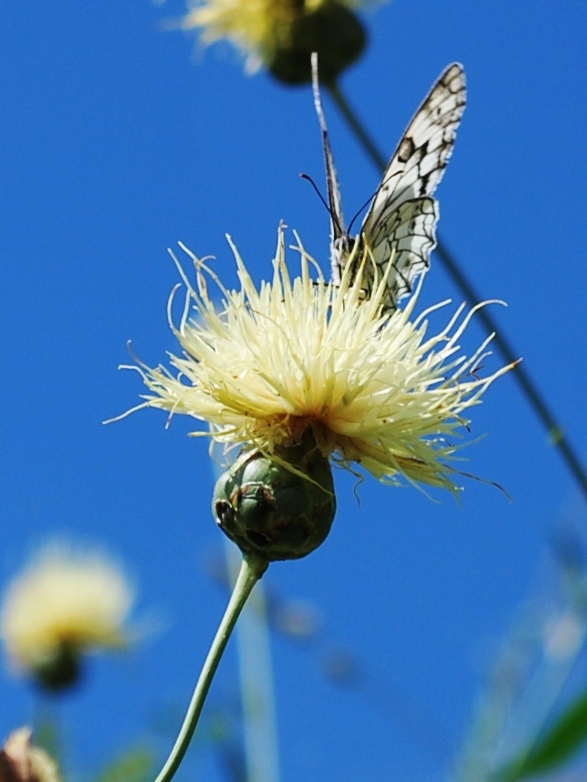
(47, 727)
(529, 389)
(252, 568)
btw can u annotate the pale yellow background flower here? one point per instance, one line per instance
(304, 354)
(64, 597)
(256, 27)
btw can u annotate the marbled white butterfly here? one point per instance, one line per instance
(402, 218)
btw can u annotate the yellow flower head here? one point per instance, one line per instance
(252, 25)
(65, 600)
(304, 355)
(282, 34)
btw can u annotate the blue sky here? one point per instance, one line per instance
(118, 140)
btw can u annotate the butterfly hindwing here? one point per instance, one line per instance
(408, 234)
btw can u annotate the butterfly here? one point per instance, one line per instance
(401, 222)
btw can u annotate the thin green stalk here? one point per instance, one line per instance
(530, 390)
(250, 572)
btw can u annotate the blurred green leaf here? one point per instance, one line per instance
(135, 765)
(555, 748)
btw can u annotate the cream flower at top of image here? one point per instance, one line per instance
(249, 24)
(282, 34)
(302, 355)
(65, 601)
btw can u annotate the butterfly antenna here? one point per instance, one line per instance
(365, 205)
(317, 191)
(335, 204)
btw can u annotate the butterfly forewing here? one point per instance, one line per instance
(340, 242)
(418, 163)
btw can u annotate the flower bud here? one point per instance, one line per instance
(332, 30)
(277, 508)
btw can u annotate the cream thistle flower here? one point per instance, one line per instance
(64, 604)
(305, 356)
(282, 34)
(252, 25)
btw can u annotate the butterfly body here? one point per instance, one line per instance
(400, 225)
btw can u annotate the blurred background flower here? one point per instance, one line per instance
(282, 34)
(65, 603)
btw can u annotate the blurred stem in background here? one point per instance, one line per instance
(529, 389)
(47, 726)
(256, 678)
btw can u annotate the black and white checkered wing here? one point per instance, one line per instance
(403, 216)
